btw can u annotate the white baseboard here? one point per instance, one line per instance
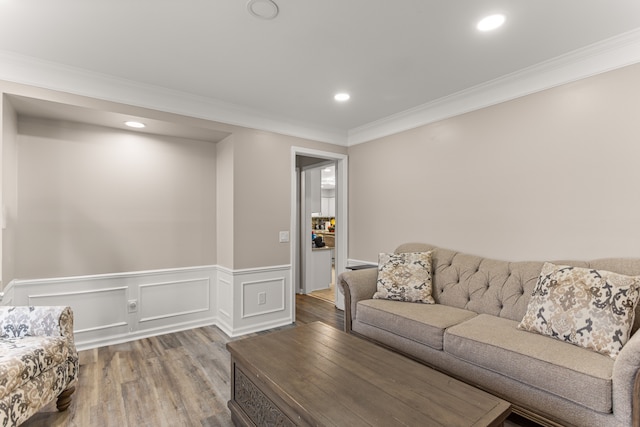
(116, 308)
(259, 327)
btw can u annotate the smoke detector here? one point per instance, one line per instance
(263, 9)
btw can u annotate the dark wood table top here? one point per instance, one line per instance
(335, 379)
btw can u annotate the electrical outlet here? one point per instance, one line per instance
(132, 305)
(262, 298)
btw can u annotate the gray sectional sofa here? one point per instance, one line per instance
(471, 334)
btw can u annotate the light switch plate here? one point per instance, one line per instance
(284, 236)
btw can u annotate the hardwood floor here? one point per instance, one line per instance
(179, 379)
(310, 309)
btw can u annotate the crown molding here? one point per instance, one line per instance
(607, 55)
(54, 76)
(597, 58)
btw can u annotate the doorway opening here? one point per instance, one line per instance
(318, 222)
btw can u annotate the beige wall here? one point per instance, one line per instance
(262, 195)
(550, 175)
(225, 201)
(98, 200)
(9, 203)
(80, 192)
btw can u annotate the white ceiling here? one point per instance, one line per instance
(391, 56)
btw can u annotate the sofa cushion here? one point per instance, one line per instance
(591, 308)
(405, 277)
(566, 371)
(22, 359)
(418, 322)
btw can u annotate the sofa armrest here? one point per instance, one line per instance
(356, 285)
(626, 383)
(22, 321)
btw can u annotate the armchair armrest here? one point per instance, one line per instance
(626, 383)
(356, 285)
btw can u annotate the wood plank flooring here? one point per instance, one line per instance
(179, 379)
(325, 294)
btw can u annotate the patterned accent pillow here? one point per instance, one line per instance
(405, 277)
(594, 309)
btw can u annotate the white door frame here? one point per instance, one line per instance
(341, 217)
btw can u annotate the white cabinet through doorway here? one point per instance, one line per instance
(328, 206)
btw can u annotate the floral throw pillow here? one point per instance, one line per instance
(405, 277)
(591, 308)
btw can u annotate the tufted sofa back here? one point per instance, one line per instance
(499, 288)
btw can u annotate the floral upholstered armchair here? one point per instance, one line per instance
(38, 361)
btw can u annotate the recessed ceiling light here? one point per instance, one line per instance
(134, 124)
(342, 97)
(263, 9)
(490, 22)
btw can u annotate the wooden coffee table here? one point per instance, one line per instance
(315, 375)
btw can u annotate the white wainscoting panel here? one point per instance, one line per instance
(272, 292)
(174, 299)
(164, 301)
(95, 311)
(115, 308)
(224, 292)
(242, 303)
(351, 262)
